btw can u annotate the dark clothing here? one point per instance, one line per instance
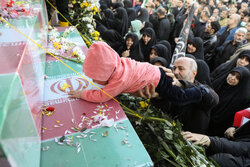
(162, 29)
(113, 39)
(232, 99)
(203, 72)
(209, 45)
(135, 50)
(127, 4)
(199, 28)
(226, 51)
(198, 44)
(147, 48)
(228, 66)
(144, 16)
(120, 23)
(163, 51)
(175, 94)
(232, 153)
(131, 15)
(167, 44)
(195, 116)
(62, 7)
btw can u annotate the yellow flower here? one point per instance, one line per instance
(57, 45)
(86, 4)
(143, 104)
(81, 5)
(174, 123)
(74, 2)
(74, 53)
(97, 34)
(96, 38)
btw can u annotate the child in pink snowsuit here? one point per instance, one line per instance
(124, 75)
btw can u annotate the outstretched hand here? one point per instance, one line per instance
(169, 73)
(196, 138)
(75, 94)
(147, 92)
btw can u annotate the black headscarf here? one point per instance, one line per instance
(167, 44)
(198, 44)
(162, 51)
(117, 5)
(203, 72)
(232, 99)
(106, 2)
(228, 66)
(135, 50)
(121, 18)
(162, 60)
(127, 4)
(144, 16)
(113, 38)
(147, 48)
(131, 15)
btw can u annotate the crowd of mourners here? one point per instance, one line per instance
(217, 59)
(217, 55)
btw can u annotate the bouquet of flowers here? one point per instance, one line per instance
(162, 136)
(61, 46)
(82, 17)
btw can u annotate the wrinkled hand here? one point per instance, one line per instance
(125, 53)
(196, 138)
(229, 133)
(75, 94)
(147, 92)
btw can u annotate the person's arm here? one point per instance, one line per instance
(223, 145)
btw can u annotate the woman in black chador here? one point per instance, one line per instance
(131, 48)
(243, 59)
(160, 50)
(120, 22)
(233, 89)
(147, 41)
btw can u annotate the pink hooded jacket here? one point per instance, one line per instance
(124, 75)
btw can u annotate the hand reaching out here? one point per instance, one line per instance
(196, 138)
(75, 94)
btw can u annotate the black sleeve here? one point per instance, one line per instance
(177, 95)
(223, 145)
(209, 97)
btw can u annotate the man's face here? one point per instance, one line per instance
(231, 20)
(223, 14)
(182, 70)
(208, 27)
(239, 37)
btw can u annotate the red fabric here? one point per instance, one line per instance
(239, 117)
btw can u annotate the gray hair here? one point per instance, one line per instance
(242, 30)
(193, 64)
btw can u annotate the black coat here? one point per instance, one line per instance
(163, 29)
(195, 117)
(226, 51)
(232, 153)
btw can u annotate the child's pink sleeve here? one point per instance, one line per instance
(111, 90)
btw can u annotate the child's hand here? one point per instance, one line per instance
(75, 94)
